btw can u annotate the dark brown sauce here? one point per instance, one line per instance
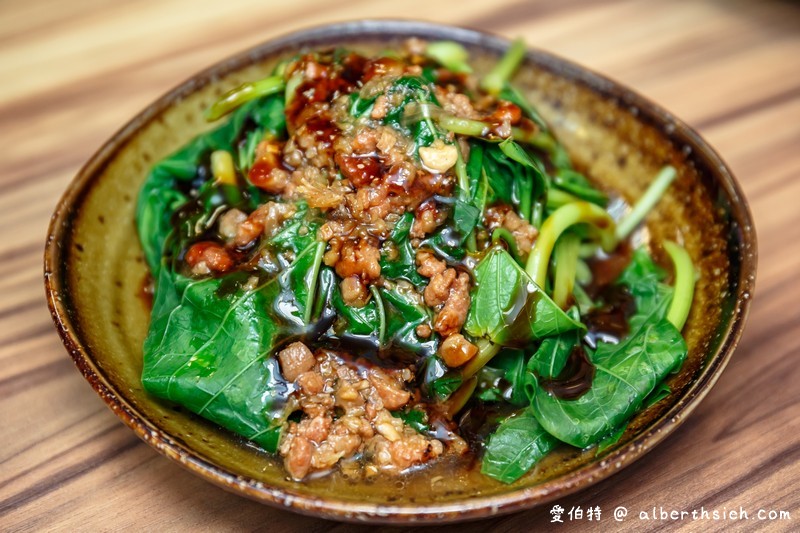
(606, 268)
(324, 82)
(576, 378)
(479, 419)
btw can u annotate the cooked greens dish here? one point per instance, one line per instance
(371, 264)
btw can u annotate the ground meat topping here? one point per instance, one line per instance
(346, 416)
(295, 360)
(454, 312)
(428, 265)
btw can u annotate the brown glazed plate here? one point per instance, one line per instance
(94, 274)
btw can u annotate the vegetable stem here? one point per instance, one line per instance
(450, 55)
(561, 219)
(646, 202)
(465, 194)
(566, 256)
(508, 237)
(460, 397)
(222, 167)
(463, 126)
(537, 212)
(486, 350)
(461, 174)
(556, 198)
(318, 253)
(538, 138)
(494, 81)
(518, 98)
(472, 243)
(684, 284)
(381, 313)
(242, 94)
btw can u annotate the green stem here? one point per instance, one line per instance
(318, 253)
(526, 106)
(646, 202)
(583, 274)
(566, 267)
(244, 93)
(537, 138)
(494, 81)
(461, 174)
(472, 243)
(463, 126)
(544, 140)
(561, 219)
(450, 55)
(465, 194)
(684, 284)
(460, 397)
(486, 350)
(381, 313)
(537, 213)
(508, 237)
(556, 198)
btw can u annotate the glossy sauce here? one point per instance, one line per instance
(576, 378)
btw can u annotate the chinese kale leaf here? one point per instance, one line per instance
(403, 266)
(507, 306)
(517, 444)
(625, 373)
(209, 350)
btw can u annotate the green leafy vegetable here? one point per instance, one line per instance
(210, 350)
(511, 364)
(625, 374)
(446, 385)
(549, 360)
(270, 119)
(164, 189)
(298, 285)
(610, 440)
(299, 232)
(352, 320)
(517, 444)
(397, 314)
(507, 307)
(643, 278)
(404, 314)
(416, 418)
(576, 184)
(412, 90)
(515, 179)
(404, 265)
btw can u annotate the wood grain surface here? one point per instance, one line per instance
(73, 72)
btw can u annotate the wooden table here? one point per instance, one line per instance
(73, 72)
